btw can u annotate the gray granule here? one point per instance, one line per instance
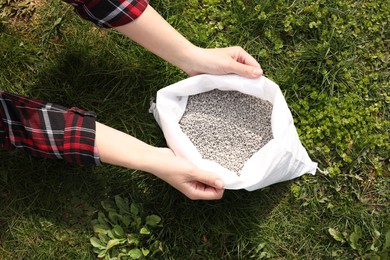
(227, 127)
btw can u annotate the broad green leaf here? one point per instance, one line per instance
(118, 231)
(387, 240)
(152, 220)
(377, 234)
(132, 239)
(110, 234)
(137, 222)
(135, 253)
(102, 253)
(144, 231)
(156, 246)
(121, 256)
(295, 189)
(100, 229)
(114, 252)
(358, 231)
(260, 247)
(103, 220)
(113, 242)
(114, 217)
(354, 239)
(376, 243)
(134, 209)
(336, 235)
(145, 251)
(265, 255)
(107, 205)
(103, 238)
(94, 221)
(96, 250)
(97, 243)
(57, 22)
(355, 236)
(336, 253)
(123, 204)
(126, 220)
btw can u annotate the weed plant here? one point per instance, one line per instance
(331, 59)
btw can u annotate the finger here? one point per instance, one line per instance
(245, 70)
(200, 191)
(244, 64)
(209, 179)
(245, 58)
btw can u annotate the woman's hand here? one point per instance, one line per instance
(191, 181)
(155, 34)
(118, 148)
(221, 61)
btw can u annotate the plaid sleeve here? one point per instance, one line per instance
(47, 130)
(109, 13)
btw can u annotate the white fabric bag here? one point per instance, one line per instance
(281, 159)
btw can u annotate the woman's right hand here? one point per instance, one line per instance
(193, 182)
(118, 148)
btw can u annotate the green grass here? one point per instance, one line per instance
(330, 59)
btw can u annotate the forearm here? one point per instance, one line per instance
(141, 23)
(118, 148)
(153, 32)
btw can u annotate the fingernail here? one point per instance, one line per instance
(257, 72)
(219, 184)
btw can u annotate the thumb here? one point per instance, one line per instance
(246, 71)
(210, 180)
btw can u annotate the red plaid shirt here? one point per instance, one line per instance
(47, 130)
(52, 131)
(109, 13)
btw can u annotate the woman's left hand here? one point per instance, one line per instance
(155, 34)
(230, 60)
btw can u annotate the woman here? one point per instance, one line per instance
(48, 130)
